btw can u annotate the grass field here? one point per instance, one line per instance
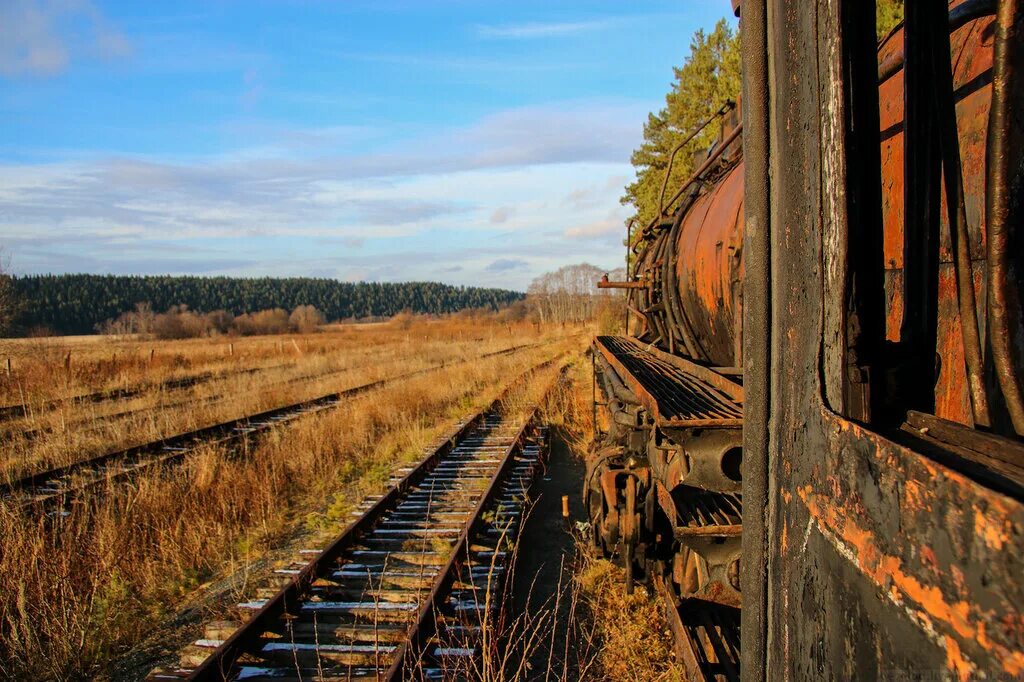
(84, 590)
(258, 374)
(123, 580)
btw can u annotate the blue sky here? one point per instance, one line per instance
(468, 142)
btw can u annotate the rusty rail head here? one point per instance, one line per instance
(411, 649)
(217, 666)
(420, 631)
(219, 663)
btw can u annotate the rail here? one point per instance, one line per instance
(47, 489)
(371, 604)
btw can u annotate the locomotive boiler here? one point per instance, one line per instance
(847, 439)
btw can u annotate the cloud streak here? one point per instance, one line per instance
(500, 181)
(41, 38)
(534, 30)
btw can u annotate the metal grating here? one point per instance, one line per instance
(703, 508)
(678, 397)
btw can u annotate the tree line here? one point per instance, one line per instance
(79, 304)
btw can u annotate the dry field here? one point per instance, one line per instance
(233, 377)
(122, 581)
(117, 579)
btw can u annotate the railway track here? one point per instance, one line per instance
(412, 588)
(33, 434)
(46, 490)
(11, 412)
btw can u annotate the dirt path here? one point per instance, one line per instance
(547, 553)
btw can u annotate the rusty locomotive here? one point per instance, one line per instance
(813, 434)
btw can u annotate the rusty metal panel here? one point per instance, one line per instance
(880, 561)
(708, 263)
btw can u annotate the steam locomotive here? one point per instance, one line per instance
(813, 433)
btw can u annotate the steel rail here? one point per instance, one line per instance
(175, 448)
(411, 650)
(221, 663)
(32, 434)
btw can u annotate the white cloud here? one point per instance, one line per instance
(541, 29)
(613, 224)
(40, 38)
(480, 196)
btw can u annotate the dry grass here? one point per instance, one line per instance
(333, 361)
(82, 590)
(631, 639)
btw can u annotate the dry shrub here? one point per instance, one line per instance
(264, 322)
(306, 319)
(634, 639)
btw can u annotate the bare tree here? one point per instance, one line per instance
(305, 319)
(569, 294)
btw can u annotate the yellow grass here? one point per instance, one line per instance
(81, 591)
(327, 362)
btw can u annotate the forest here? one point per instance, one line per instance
(78, 304)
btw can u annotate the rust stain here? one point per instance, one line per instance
(995, 534)
(955, 660)
(925, 603)
(929, 560)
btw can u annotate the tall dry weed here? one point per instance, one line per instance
(81, 590)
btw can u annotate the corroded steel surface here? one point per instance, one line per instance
(701, 305)
(673, 396)
(877, 560)
(971, 47)
(709, 268)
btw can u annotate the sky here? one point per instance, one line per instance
(470, 142)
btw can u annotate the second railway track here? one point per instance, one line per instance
(50, 489)
(411, 589)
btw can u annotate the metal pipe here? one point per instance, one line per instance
(1004, 177)
(959, 16)
(629, 230)
(759, 500)
(712, 158)
(672, 157)
(959, 235)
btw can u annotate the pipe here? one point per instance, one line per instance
(959, 235)
(1002, 161)
(712, 158)
(672, 157)
(959, 16)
